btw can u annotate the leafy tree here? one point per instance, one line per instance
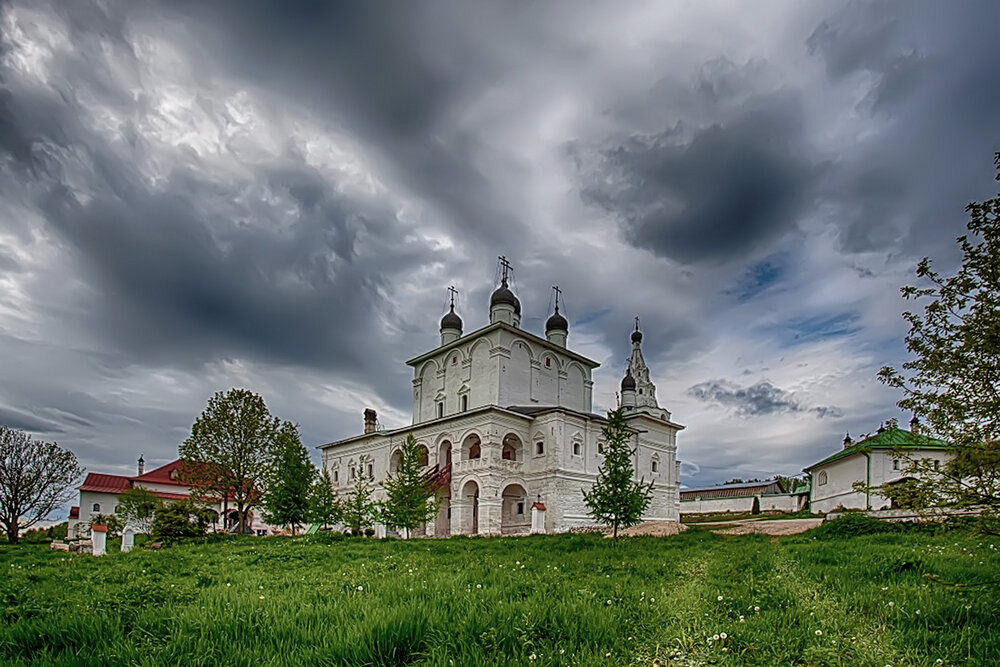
(137, 507)
(181, 518)
(616, 499)
(110, 521)
(359, 510)
(35, 478)
(410, 499)
(230, 449)
(286, 501)
(324, 507)
(952, 383)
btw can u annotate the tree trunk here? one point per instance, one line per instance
(614, 532)
(243, 518)
(293, 530)
(12, 532)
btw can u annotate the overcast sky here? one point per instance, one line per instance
(200, 195)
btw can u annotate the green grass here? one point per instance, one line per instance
(697, 598)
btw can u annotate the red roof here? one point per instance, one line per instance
(102, 483)
(98, 528)
(165, 474)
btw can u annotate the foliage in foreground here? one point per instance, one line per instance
(409, 501)
(231, 448)
(615, 499)
(551, 600)
(35, 479)
(286, 501)
(953, 380)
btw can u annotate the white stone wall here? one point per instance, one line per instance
(740, 504)
(842, 474)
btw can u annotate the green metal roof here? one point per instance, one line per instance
(890, 438)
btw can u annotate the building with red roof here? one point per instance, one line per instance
(99, 493)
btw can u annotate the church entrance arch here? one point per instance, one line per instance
(515, 517)
(513, 448)
(470, 496)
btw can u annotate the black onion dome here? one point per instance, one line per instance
(628, 382)
(556, 322)
(451, 320)
(636, 336)
(503, 294)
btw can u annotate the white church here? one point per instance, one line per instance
(505, 421)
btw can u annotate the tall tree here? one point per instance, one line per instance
(616, 499)
(324, 507)
(230, 449)
(952, 383)
(286, 501)
(409, 493)
(136, 508)
(359, 510)
(35, 478)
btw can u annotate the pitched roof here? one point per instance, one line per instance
(520, 332)
(101, 483)
(888, 439)
(734, 490)
(165, 474)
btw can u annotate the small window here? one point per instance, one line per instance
(821, 478)
(600, 447)
(352, 474)
(577, 448)
(895, 464)
(371, 470)
(174, 475)
(475, 451)
(548, 362)
(655, 465)
(539, 448)
(937, 464)
(117, 507)
(440, 408)
(454, 360)
(520, 508)
(640, 392)
(97, 507)
(335, 477)
(465, 402)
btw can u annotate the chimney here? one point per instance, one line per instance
(142, 465)
(370, 417)
(915, 425)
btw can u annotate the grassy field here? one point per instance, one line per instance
(696, 598)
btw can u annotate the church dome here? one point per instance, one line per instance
(636, 336)
(628, 382)
(556, 322)
(451, 320)
(503, 294)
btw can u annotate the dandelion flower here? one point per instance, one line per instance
(715, 638)
(756, 609)
(819, 633)
(719, 598)
(723, 635)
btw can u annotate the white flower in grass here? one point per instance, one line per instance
(819, 633)
(532, 657)
(479, 585)
(891, 603)
(261, 597)
(360, 588)
(608, 602)
(742, 619)
(723, 635)
(715, 638)
(756, 609)
(719, 598)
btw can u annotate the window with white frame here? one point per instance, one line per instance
(539, 448)
(577, 448)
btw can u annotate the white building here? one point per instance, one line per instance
(882, 458)
(754, 497)
(505, 419)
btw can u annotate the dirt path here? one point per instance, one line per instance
(764, 526)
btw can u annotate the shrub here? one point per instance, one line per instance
(183, 518)
(852, 524)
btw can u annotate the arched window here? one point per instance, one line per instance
(97, 507)
(654, 464)
(821, 478)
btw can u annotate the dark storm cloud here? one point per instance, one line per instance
(762, 398)
(935, 89)
(394, 75)
(732, 187)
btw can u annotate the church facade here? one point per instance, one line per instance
(505, 422)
